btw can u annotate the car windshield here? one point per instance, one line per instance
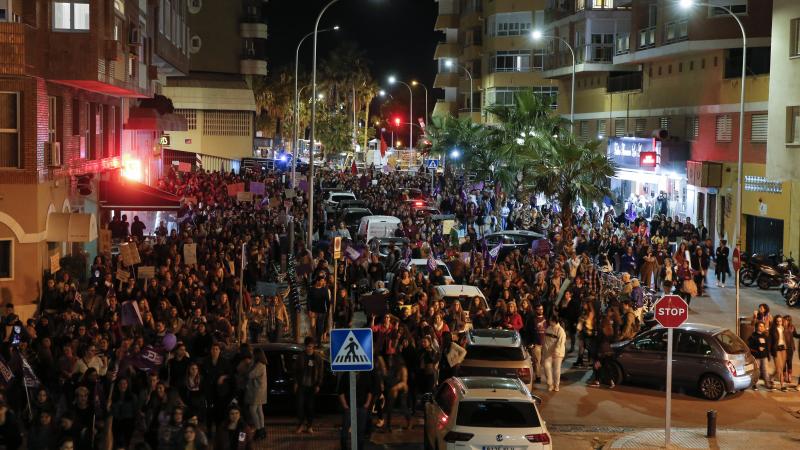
(497, 413)
(340, 197)
(731, 343)
(492, 353)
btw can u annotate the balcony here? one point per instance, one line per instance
(444, 80)
(445, 21)
(253, 67)
(12, 49)
(446, 50)
(624, 82)
(253, 30)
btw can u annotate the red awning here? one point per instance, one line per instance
(133, 196)
(150, 119)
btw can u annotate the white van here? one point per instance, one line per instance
(377, 226)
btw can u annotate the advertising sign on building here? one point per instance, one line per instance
(627, 152)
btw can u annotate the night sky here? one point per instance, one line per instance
(397, 36)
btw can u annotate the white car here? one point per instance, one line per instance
(334, 197)
(420, 265)
(480, 413)
(497, 353)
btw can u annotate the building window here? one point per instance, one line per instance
(119, 5)
(794, 48)
(758, 128)
(677, 31)
(9, 130)
(602, 128)
(226, 123)
(640, 126)
(793, 125)
(583, 128)
(6, 259)
(191, 117)
(738, 7)
(510, 24)
(602, 47)
(602, 4)
(619, 127)
(724, 128)
(665, 123)
(511, 61)
(692, 128)
(71, 15)
(504, 96)
(623, 43)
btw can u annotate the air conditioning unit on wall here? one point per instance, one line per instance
(53, 151)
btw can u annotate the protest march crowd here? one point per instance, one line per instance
(173, 360)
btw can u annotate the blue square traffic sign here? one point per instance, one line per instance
(351, 349)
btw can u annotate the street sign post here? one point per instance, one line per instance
(432, 165)
(671, 311)
(351, 351)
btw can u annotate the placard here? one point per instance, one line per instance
(189, 254)
(184, 167)
(146, 272)
(289, 193)
(244, 197)
(55, 262)
(104, 241)
(257, 188)
(122, 275)
(130, 254)
(274, 202)
(447, 225)
(287, 204)
(235, 188)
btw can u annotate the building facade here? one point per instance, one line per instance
(70, 71)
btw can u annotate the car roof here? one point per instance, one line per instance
(389, 239)
(459, 290)
(338, 192)
(494, 337)
(352, 210)
(390, 219)
(476, 388)
(701, 328)
(269, 347)
(424, 261)
(526, 233)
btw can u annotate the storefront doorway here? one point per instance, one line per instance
(764, 235)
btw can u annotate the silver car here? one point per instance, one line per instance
(711, 359)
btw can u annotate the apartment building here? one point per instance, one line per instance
(70, 70)
(487, 54)
(659, 85)
(228, 49)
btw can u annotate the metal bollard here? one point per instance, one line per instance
(711, 423)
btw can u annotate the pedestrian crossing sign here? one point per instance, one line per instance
(432, 163)
(351, 349)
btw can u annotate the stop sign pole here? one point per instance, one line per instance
(671, 311)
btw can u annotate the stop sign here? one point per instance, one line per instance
(671, 311)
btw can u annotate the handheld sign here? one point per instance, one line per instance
(671, 311)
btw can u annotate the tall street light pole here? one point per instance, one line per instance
(295, 142)
(393, 80)
(314, 127)
(450, 63)
(417, 83)
(686, 4)
(537, 35)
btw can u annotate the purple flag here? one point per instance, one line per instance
(5, 372)
(431, 262)
(148, 359)
(257, 188)
(353, 254)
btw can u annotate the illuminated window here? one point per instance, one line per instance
(71, 15)
(9, 130)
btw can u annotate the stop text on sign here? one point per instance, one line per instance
(671, 311)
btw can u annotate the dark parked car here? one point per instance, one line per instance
(711, 359)
(280, 378)
(352, 218)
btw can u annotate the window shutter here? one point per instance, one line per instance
(641, 127)
(664, 123)
(602, 129)
(758, 128)
(692, 127)
(619, 127)
(724, 128)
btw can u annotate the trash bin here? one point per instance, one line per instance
(745, 327)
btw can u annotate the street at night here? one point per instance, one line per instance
(399, 224)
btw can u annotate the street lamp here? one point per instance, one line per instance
(417, 83)
(393, 80)
(295, 143)
(687, 4)
(537, 35)
(455, 154)
(449, 63)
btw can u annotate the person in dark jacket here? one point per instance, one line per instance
(308, 374)
(10, 431)
(233, 434)
(759, 347)
(721, 267)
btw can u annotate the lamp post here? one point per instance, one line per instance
(417, 83)
(537, 35)
(450, 63)
(686, 4)
(393, 80)
(297, 102)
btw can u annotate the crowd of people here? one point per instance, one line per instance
(172, 362)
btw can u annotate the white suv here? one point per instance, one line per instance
(483, 413)
(497, 353)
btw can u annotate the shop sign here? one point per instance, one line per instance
(164, 140)
(631, 153)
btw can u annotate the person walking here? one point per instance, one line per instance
(780, 340)
(553, 351)
(363, 402)
(760, 349)
(308, 379)
(255, 392)
(721, 266)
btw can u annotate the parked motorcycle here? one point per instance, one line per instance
(791, 289)
(766, 272)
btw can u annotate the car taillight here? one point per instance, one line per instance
(541, 438)
(731, 367)
(455, 436)
(524, 374)
(419, 203)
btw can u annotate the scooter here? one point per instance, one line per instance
(772, 275)
(791, 289)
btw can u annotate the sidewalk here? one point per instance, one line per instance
(695, 438)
